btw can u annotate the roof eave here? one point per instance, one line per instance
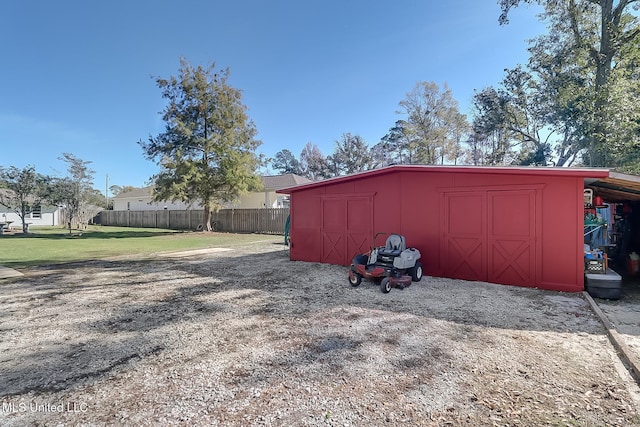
(501, 170)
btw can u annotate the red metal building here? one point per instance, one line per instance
(516, 226)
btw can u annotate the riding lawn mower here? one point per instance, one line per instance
(393, 265)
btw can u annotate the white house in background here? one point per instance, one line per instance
(40, 215)
(268, 197)
(140, 199)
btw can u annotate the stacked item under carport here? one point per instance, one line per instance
(600, 280)
(604, 283)
(621, 192)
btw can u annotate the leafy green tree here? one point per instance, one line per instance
(491, 142)
(396, 147)
(433, 121)
(207, 152)
(477, 149)
(623, 112)
(351, 154)
(285, 162)
(459, 130)
(597, 34)
(118, 189)
(21, 190)
(524, 117)
(562, 101)
(96, 198)
(513, 119)
(381, 155)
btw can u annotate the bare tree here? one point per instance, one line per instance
(313, 163)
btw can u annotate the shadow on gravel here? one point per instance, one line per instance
(54, 367)
(132, 329)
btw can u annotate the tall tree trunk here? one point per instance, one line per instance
(603, 59)
(207, 217)
(23, 217)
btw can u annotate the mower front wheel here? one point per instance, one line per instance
(385, 285)
(416, 272)
(354, 278)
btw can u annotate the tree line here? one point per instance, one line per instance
(433, 133)
(573, 103)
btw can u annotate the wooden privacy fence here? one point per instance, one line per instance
(265, 221)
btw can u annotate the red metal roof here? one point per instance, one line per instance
(506, 170)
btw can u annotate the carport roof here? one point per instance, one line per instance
(617, 187)
(593, 174)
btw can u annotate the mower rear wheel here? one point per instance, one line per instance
(416, 272)
(385, 285)
(354, 279)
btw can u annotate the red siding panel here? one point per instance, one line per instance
(359, 225)
(511, 237)
(521, 228)
(562, 260)
(332, 231)
(346, 227)
(305, 226)
(463, 235)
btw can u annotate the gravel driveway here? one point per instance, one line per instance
(246, 337)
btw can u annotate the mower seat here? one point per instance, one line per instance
(394, 246)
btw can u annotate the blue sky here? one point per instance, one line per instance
(77, 75)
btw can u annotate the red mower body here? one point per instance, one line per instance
(384, 270)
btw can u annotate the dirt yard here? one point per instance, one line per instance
(245, 337)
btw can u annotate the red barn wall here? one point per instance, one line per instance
(514, 229)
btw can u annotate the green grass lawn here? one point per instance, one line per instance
(52, 245)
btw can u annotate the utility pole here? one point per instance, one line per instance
(106, 192)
